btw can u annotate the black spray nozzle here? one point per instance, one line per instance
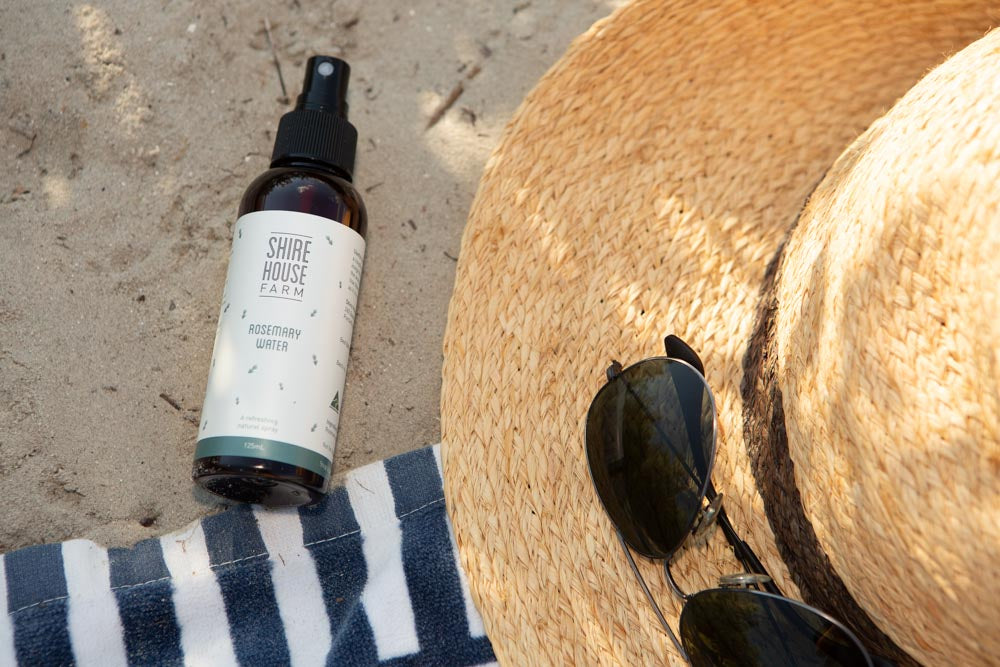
(317, 130)
(325, 87)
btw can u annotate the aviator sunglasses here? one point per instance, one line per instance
(650, 439)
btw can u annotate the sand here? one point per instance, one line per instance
(128, 133)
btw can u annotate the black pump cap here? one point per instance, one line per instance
(317, 129)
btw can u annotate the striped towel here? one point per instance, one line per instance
(368, 576)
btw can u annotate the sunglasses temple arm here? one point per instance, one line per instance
(753, 565)
(678, 349)
(649, 597)
(745, 554)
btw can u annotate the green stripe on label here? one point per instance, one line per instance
(260, 448)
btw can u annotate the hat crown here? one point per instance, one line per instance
(887, 346)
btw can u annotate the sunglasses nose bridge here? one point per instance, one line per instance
(614, 370)
(743, 580)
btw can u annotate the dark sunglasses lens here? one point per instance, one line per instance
(650, 438)
(735, 627)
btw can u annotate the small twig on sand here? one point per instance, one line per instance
(31, 144)
(171, 402)
(277, 65)
(453, 96)
(442, 109)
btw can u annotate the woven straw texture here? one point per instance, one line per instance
(642, 189)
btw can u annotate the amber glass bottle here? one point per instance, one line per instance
(272, 405)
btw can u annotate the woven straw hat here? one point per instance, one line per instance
(652, 183)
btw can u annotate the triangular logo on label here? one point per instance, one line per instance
(335, 403)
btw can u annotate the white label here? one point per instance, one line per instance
(276, 384)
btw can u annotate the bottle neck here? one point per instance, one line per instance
(312, 165)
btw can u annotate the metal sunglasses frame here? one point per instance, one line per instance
(755, 576)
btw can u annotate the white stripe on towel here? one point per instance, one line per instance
(7, 655)
(472, 616)
(95, 629)
(296, 587)
(386, 596)
(198, 603)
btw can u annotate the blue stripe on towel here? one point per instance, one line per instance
(239, 559)
(141, 563)
(141, 583)
(333, 537)
(431, 573)
(233, 536)
(330, 519)
(414, 480)
(354, 644)
(36, 598)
